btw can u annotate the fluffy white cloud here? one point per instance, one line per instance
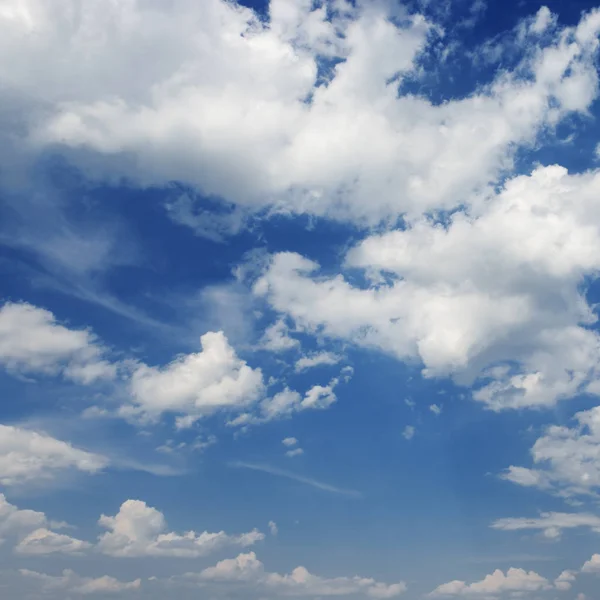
(72, 583)
(43, 541)
(565, 580)
(140, 530)
(551, 524)
(567, 459)
(289, 442)
(31, 341)
(28, 456)
(592, 565)
(276, 338)
(492, 297)
(246, 568)
(287, 402)
(317, 360)
(195, 385)
(15, 521)
(514, 581)
(237, 106)
(30, 529)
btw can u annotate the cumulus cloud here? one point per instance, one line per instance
(564, 581)
(140, 530)
(515, 581)
(289, 442)
(592, 565)
(29, 456)
(43, 541)
(33, 342)
(30, 529)
(317, 360)
(551, 524)
(72, 583)
(565, 458)
(288, 402)
(277, 339)
(246, 568)
(195, 385)
(239, 107)
(492, 298)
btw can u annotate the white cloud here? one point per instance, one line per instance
(195, 385)
(246, 568)
(294, 452)
(235, 105)
(551, 524)
(317, 360)
(566, 458)
(436, 409)
(492, 298)
(140, 530)
(592, 565)
(276, 338)
(16, 521)
(289, 442)
(43, 541)
(273, 528)
(515, 581)
(28, 456)
(408, 432)
(31, 531)
(327, 487)
(32, 342)
(287, 402)
(564, 581)
(73, 583)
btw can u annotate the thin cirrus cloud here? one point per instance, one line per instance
(326, 487)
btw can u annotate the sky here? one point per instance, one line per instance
(299, 299)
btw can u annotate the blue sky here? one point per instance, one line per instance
(299, 299)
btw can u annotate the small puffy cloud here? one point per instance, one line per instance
(195, 385)
(43, 541)
(29, 456)
(551, 524)
(564, 581)
(565, 458)
(273, 528)
(294, 452)
(246, 568)
(140, 530)
(288, 402)
(436, 409)
(409, 432)
(33, 342)
(289, 442)
(515, 581)
(592, 565)
(276, 338)
(317, 360)
(72, 583)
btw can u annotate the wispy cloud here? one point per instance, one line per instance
(326, 487)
